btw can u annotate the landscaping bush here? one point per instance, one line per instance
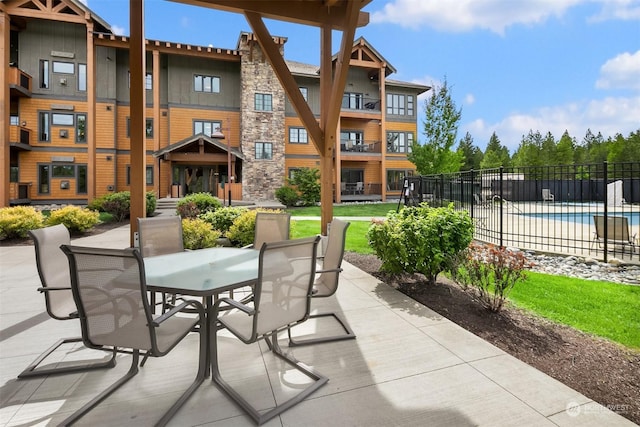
(198, 234)
(420, 239)
(16, 221)
(222, 219)
(96, 204)
(203, 202)
(307, 182)
(288, 196)
(492, 271)
(119, 204)
(75, 218)
(243, 229)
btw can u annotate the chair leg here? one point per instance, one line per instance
(348, 335)
(260, 418)
(133, 370)
(31, 371)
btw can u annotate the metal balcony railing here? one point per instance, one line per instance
(355, 146)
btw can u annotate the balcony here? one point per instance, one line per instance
(357, 106)
(356, 148)
(20, 138)
(360, 191)
(19, 83)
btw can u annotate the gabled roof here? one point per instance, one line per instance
(369, 53)
(74, 10)
(197, 138)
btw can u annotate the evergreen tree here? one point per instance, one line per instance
(440, 131)
(565, 149)
(472, 154)
(495, 155)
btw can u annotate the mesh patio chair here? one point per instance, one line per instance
(271, 227)
(54, 275)
(110, 291)
(327, 282)
(617, 232)
(282, 299)
(159, 236)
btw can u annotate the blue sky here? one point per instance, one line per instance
(512, 65)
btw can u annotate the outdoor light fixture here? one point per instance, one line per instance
(219, 135)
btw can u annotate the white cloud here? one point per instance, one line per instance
(492, 15)
(120, 31)
(467, 15)
(621, 72)
(469, 99)
(608, 116)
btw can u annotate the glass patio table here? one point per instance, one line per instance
(202, 273)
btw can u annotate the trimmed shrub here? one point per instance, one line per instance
(118, 205)
(288, 196)
(420, 239)
(16, 221)
(198, 234)
(75, 218)
(96, 204)
(204, 202)
(243, 230)
(222, 219)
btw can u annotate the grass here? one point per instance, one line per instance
(356, 234)
(605, 309)
(365, 210)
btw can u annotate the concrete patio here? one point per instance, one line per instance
(408, 366)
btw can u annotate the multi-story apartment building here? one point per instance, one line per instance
(212, 115)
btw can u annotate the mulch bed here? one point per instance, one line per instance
(604, 371)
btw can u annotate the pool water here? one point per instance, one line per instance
(584, 217)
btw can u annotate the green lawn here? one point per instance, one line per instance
(605, 309)
(369, 209)
(356, 234)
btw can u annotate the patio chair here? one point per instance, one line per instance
(271, 227)
(54, 275)
(110, 291)
(327, 282)
(547, 196)
(159, 236)
(282, 299)
(359, 187)
(617, 229)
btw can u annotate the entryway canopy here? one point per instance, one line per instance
(201, 144)
(328, 15)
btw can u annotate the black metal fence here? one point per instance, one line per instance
(588, 210)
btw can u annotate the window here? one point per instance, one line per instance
(351, 140)
(210, 84)
(82, 77)
(400, 105)
(298, 136)
(293, 171)
(44, 74)
(59, 119)
(263, 102)
(14, 169)
(64, 67)
(395, 178)
(305, 92)
(148, 128)
(43, 179)
(148, 81)
(44, 125)
(149, 175)
(14, 120)
(399, 142)
(81, 128)
(352, 101)
(264, 151)
(63, 171)
(206, 127)
(81, 180)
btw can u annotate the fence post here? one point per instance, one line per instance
(605, 178)
(473, 180)
(441, 187)
(501, 206)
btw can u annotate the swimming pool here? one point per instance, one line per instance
(584, 217)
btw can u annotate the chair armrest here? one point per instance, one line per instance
(236, 304)
(166, 315)
(47, 289)
(330, 270)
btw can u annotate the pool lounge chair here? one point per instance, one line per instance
(547, 196)
(617, 231)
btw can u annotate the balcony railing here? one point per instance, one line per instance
(360, 188)
(355, 146)
(20, 81)
(19, 135)
(360, 103)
